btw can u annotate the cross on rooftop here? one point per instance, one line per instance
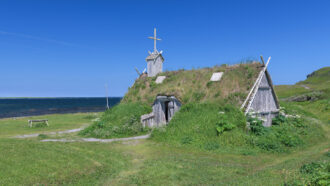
(155, 39)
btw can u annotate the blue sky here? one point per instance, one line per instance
(72, 48)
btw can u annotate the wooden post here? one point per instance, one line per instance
(262, 60)
(106, 92)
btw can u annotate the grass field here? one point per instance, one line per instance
(152, 162)
(144, 162)
(57, 122)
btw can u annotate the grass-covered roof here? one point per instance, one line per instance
(195, 85)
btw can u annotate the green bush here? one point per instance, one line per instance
(286, 133)
(327, 154)
(120, 121)
(316, 173)
(278, 120)
(224, 124)
(310, 168)
(269, 142)
(256, 126)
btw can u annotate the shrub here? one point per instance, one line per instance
(317, 173)
(290, 140)
(279, 137)
(310, 168)
(327, 154)
(256, 126)
(269, 143)
(224, 125)
(278, 120)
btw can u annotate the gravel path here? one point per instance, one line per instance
(51, 133)
(96, 139)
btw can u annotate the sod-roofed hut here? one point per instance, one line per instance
(247, 86)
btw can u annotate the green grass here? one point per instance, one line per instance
(190, 151)
(204, 127)
(318, 83)
(30, 162)
(146, 162)
(195, 126)
(120, 121)
(156, 164)
(17, 126)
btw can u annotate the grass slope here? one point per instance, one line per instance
(318, 81)
(120, 121)
(317, 85)
(197, 126)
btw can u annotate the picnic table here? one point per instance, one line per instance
(38, 120)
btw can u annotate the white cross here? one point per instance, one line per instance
(155, 39)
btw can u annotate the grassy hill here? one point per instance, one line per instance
(317, 81)
(312, 94)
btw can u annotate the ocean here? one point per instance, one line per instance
(18, 107)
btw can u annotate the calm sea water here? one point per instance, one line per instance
(39, 106)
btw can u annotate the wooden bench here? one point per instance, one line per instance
(38, 120)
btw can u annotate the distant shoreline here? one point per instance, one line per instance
(27, 116)
(50, 113)
(20, 107)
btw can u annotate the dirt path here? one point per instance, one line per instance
(305, 86)
(50, 133)
(96, 139)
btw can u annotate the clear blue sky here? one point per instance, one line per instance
(72, 48)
